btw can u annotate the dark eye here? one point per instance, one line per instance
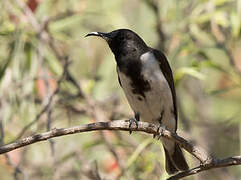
(122, 38)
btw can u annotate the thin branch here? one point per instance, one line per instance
(123, 125)
(29, 14)
(1, 132)
(207, 161)
(99, 116)
(228, 52)
(221, 42)
(93, 173)
(231, 161)
(45, 37)
(17, 169)
(48, 104)
(49, 126)
(153, 4)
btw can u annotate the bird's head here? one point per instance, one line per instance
(122, 41)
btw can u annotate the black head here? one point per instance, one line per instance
(123, 42)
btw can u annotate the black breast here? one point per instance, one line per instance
(132, 69)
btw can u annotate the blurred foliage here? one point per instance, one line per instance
(202, 41)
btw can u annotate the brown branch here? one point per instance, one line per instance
(207, 161)
(123, 125)
(231, 161)
(45, 37)
(230, 57)
(48, 104)
(221, 42)
(153, 5)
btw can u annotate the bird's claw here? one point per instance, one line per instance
(159, 132)
(131, 121)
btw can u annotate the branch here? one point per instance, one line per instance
(153, 4)
(231, 161)
(49, 102)
(206, 160)
(123, 125)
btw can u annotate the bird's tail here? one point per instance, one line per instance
(175, 160)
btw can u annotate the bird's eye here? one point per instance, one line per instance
(122, 38)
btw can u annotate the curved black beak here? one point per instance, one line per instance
(94, 34)
(106, 36)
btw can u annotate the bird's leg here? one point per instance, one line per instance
(159, 127)
(159, 131)
(134, 120)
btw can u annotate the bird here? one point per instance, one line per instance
(147, 81)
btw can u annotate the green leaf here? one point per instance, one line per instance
(202, 36)
(223, 90)
(188, 71)
(28, 54)
(8, 60)
(211, 64)
(54, 64)
(235, 24)
(221, 18)
(221, 2)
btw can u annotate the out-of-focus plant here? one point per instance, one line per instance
(50, 76)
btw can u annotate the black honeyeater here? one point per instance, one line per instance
(146, 78)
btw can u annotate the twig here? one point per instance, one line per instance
(45, 37)
(46, 107)
(17, 169)
(123, 125)
(1, 132)
(231, 161)
(230, 57)
(29, 14)
(93, 173)
(207, 161)
(153, 4)
(99, 116)
(49, 126)
(221, 42)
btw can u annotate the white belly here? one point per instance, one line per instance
(157, 101)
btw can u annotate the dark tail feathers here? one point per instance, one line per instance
(175, 162)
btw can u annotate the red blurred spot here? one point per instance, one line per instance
(113, 166)
(45, 83)
(33, 4)
(14, 157)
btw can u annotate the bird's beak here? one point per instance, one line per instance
(105, 36)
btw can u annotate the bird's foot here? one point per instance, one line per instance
(160, 127)
(134, 120)
(159, 132)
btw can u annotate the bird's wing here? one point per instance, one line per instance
(118, 76)
(167, 72)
